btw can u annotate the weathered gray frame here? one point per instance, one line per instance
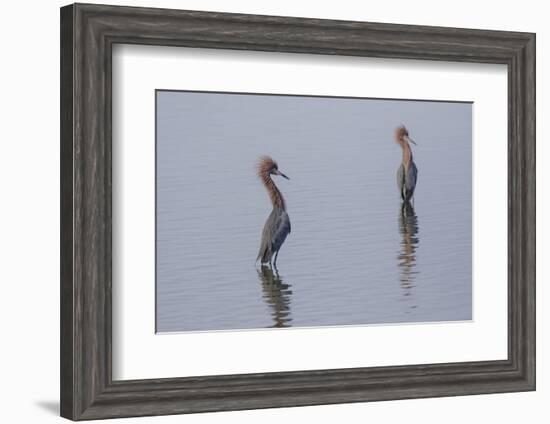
(88, 33)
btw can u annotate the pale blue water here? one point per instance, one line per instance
(353, 257)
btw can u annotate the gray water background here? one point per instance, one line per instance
(354, 256)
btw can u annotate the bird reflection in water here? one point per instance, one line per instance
(277, 295)
(408, 228)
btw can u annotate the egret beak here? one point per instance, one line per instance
(410, 140)
(277, 172)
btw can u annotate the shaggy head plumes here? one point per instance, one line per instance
(400, 133)
(266, 166)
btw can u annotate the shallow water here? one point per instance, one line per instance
(354, 255)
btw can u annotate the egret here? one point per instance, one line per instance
(277, 226)
(407, 172)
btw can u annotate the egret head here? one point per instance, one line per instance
(402, 135)
(267, 166)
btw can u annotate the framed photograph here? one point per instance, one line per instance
(262, 211)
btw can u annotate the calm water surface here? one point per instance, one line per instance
(355, 255)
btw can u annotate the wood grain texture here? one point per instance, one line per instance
(88, 33)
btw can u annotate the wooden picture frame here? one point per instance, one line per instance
(88, 33)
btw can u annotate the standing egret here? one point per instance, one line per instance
(407, 172)
(277, 226)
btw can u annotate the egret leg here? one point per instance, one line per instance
(275, 260)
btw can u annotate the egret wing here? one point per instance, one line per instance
(282, 229)
(412, 174)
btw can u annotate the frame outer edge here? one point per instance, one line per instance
(67, 383)
(529, 203)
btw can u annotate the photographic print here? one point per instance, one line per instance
(278, 211)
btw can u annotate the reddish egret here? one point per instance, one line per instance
(277, 226)
(407, 172)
